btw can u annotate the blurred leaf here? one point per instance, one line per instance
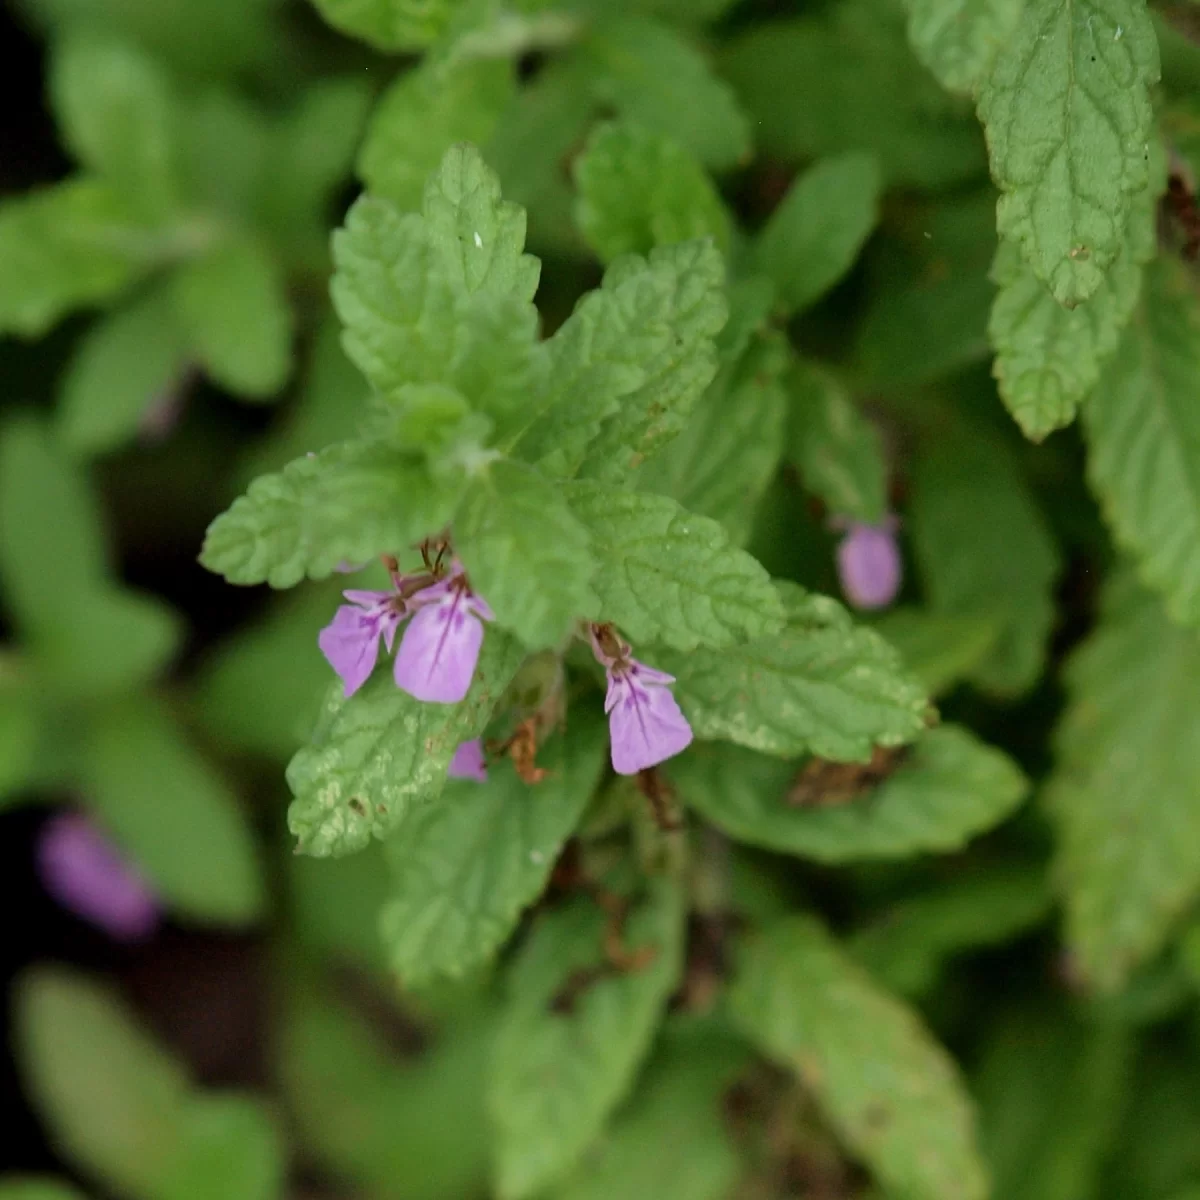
(1067, 112)
(20, 732)
(670, 1141)
(1142, 434)
(113, 1102)
(14, 1187)
(984, 550)
(231, 1148)
(941, 650)
(233, 310)
(390, 24)
(837, 450)
(652, 77)
(812, 239)
(949, 789)
(907, 946)
(668, 576)
(427, 109)
(116, 112)
(124, 363)
(1127, 764)
(891, 1092)
(380, 755)
(172, 814)
(336, 904)
(823, 686)
(465, 867)
(574, 1034)
(958, 40)
(638, 190)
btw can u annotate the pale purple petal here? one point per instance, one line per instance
(645, 725)
(439, 650)
(468, 762)
(84, 873)
(869, 565)
(351, 640)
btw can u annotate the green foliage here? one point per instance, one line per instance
(890, 1091)
(389, 24)
(958, 40)
(30, 1188)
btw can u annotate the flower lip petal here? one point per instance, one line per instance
(468, 762)
(646, 727)
(439, 651)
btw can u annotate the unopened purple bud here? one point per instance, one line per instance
(869, 564)
(468, 762)
(81, 869)
(440, 648)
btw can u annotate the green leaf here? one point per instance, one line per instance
(891, 1092)
(191, 840)
(666, 575)
(29, 1187)
(231, 1148)
(907, 945)
(233, 310)
(958, 40)
(843, 78)
(347, 504)
(639, 189)
(125, 362)
(465, 868)
(948, 790)
(671, 1141)
(819, 228)
(1049, 358)
(1068, 119)
(527, 554)
(335, 906)
(690, 279)
(116, 112)
(112, 1101)
(652, 77)
(390, 24)
(984, 551)
(636, 353)
(20, 731)
(557, 1075)
(823, 685)
(838, 452)
(425, 110)
(940, 649)
(64, 247)
(382, 754)
(1141, 428)
(1126, 760)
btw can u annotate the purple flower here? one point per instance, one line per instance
(351, 640)
(468, 762)
(82, 870)
(440, 647)
(645, 724)
(869, 564)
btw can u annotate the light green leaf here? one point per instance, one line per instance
(638, 190)
(823, 686)
(426, 110)
(29, 1187)
(838, 452)
(948, 790)
(907, 945)
(64, 247)
(112, 1101)
(958, 40)
(566, 1055)
(891, 1092)
(125, 362)
(465, 868)
(116, 112)
(1049, 358)
(231, 1148)
(671, 1141)
(381, 754)
(940, 649)
(233, 310)
(1142, 434)
(390, 24)
(666, 575)
(1127, 760)
(652, 77)
(527, 554)
(819, 228)
(20, 730)
(335, 906)
(172, 814)
(637, 352)
(347, 504)
(1068, 119)
(984, 550)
